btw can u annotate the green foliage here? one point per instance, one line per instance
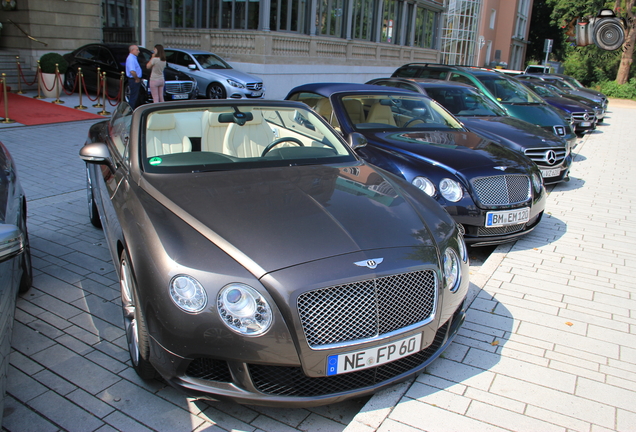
(49, 60)
(620, 91)
(591, 64)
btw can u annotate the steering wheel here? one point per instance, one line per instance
(414, 120)
(280, 141)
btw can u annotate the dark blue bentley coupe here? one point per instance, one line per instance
(494, 193)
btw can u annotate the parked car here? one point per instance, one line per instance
(15, 256)
(496, 194)
(509, 93)
(216, 78)
(261, 261)
(479, 114)
(597, 106)
(533, 69)
(111, 59)
(583, 117)
(567, 84)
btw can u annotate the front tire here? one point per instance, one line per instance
(134, 322)
(69, 79)
(215, 91)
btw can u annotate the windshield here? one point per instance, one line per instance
(210, 61)
(508, 91)
(465, 102)
(374, 111)
(541, 90)
(213, 138)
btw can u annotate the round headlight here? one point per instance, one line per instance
(537, 181)
(244, 310)
(187, 293)
(424, 184)
(450, 189)
(451, 269)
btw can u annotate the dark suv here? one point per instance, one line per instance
(508, 93)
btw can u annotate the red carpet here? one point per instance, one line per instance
(29, 111)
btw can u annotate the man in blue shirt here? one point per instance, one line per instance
(133, 72)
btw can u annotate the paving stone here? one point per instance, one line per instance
(78, 370)
(64, 413)
(157, 414)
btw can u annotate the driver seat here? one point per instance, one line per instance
(381, 114)
(250, 139)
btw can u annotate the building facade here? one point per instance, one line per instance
(504, 26)
(286, 42)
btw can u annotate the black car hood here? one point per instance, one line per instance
(522, 133)
(566, 104)
(273, 218)
(459, 150)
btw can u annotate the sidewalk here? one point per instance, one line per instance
(549, 342)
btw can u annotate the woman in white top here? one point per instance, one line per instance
(157, 64)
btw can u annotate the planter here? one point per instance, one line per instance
(49, 86)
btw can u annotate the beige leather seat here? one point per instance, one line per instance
(162, 136)
(381, 114)
(355, 110)
(250, 139)
(212, 132)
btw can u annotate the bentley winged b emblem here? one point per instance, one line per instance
(372, 263)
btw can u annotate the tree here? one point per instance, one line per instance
(564, 14)
(622, 76)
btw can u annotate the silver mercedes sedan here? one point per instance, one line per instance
(261, 261)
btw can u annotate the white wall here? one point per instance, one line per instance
(280, 79)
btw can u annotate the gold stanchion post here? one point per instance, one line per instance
(6, 100)
(57, 86)
(103, 111)
(39, 78)
(79, 77)
(99, 83)
(17, 59)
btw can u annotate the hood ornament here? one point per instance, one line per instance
(501, 168)
(372, 263)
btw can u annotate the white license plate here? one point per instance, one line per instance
(180, 96)
(507, 217)
(363, 359)
(256, 94)
(550, 172)
(585, 124)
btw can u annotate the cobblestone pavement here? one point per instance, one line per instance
(549, 343)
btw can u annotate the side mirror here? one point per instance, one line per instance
(97, 153)
(192, 67)
(11, 241)
(357, 140)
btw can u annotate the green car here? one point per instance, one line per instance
(508, 93)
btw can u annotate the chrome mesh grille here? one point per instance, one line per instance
(177, 87)
(368, 308)
(502, 190)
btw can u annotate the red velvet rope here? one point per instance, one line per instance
(87, 95)
(24, 79)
